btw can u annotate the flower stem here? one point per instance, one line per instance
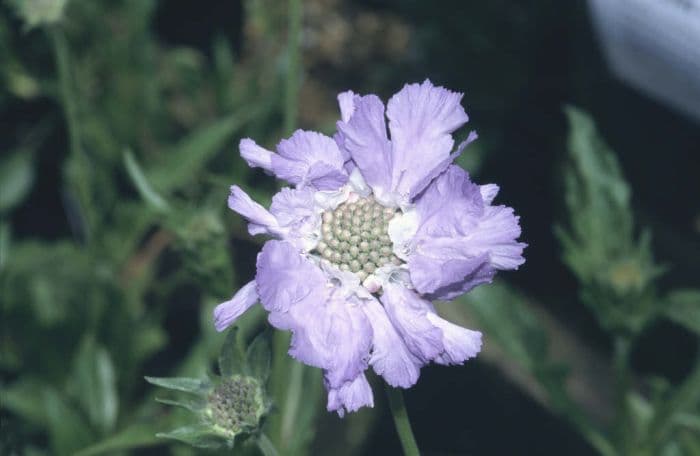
(403, 426)
(266, 447)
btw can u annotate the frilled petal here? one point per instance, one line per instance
(296, 212)
(254, 155)
(461, 240)
(351, 396)
(286, 278)
(346, 101)
(261, 220)
(460, 343)
(421, 120)
(390, 357)
(365, 137)
(454, 277)
(310, 159)
(408, 314)
(334, 335)
(227, 312)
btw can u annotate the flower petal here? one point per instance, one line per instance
(390, 357)
(310, 158)
(351, 396)
(286, 278)
(226, 313)
(421, 120)
(296, 212)
(460, 241)
(254, 155)
(460, 343)
(365, 137)
(261, 221)
(408, 314)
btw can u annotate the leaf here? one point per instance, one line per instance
(95, 384)
(24, 398)
(16, 179)
(683, 307)
(191, 405)
(258, 356)
(185, 384)
(231, 359)
(199, 436)
(149, 195)
(68, 431)
(135, 436)
(187, 158)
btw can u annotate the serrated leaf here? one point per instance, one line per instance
(149, 195)
(683, 308)
(184, 384)
(199, 436)
(258, 356)
(95, 384)
(231, 359)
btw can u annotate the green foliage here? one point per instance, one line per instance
(228, 407)
(616, 270)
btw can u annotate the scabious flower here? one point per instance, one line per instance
(373, 229)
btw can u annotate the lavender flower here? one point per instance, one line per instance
(373, 229)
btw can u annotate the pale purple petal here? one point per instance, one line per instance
(254, 155)
(390, 357)
(351, 396)
(296, 213)
(408, 314)
(346, 101)
(421, 120)
(286, 278)
(454, 276)
(365, 137)
(460, 343)
(261, 221)
(488, 192)
(310, 159)
(461, 241)
(226, 313)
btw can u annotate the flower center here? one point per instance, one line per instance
(235, 403)
(355, 237)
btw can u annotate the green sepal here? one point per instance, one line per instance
(258, 357)
(185, 384)
(231, 358)
(195, 406)
(198, 435)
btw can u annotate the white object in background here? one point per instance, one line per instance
(654, 45)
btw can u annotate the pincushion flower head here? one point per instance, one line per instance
(375, 225)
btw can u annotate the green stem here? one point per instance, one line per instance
(78, 174)
(403, 425)
(291, 95)
(266, 447)
(622, 384)
(293, 400)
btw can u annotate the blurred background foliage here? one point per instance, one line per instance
(120, 124)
